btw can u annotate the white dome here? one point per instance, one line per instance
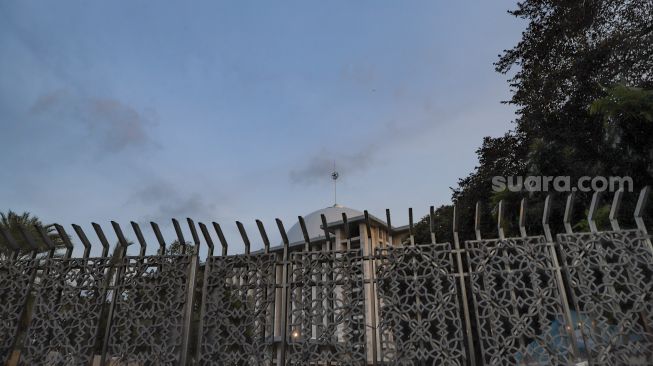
(314, 222)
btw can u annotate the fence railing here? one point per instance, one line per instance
(568, 299)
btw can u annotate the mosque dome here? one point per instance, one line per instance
(314, 222)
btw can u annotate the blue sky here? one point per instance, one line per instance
(235, 110)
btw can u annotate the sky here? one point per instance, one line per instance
(237, 110)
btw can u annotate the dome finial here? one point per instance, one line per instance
(335, 175)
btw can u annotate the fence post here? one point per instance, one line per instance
(284, 295)
(372, 297)
(463, 288)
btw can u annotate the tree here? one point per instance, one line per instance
(581, 81)
(12, 222)
(175, 248)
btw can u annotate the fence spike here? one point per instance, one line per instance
(46, 239)
(103, 239)
(193, 233)
(243, 234)
(327, 235)
(642, 200)
(121, 237)
(591, 215)
(346, 227)
(522, 217)
(140, 238)
(546, 216)
(29, 239)
(432, 223)
(411, 228)
(84, 239)
(569, 211)
(264, 236)
(207, 238)
(454, 219)
(307, 238)
(159, 237)
(500, 220)
(223, 241)
(387, 219)
(180, 236)
(614, 209)
(66, 240)
(477, 221)
(368, 227)
(284, 236)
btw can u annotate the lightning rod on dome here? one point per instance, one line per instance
(335, 176)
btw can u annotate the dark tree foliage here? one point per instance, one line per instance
(581, 78)
(12, 222)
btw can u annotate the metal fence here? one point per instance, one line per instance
(568, 299)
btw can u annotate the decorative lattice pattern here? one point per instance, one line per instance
(327, 309)
(237, 311)
(150, 301)
(520, 314)
(611, 278)
(420, 319)
(67, 310)
(15, 281)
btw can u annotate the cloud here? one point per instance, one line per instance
(114, 125)
(319, 166)
(167, 202)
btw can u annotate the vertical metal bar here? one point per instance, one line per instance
(411, 228)
(418, 300)
(477, 221)
(569, 212)
(513, 296)
(546, 215)
(389, 223)
(207, 238)
(205, 287)
(327, 235)
(500, 231)
(188, 311)
(591, 216)
(243, 234)
(463, 288)
(614, 209)
(180, 236)
(46, 239)
(84, 239)
(345, 224)
(120, 264)
(223, 241)
(66, 240)
(372, 297)
(159, 238)
(432, 224)
(269, 318)
(103, 239)
(522, 218)
(140, 238)
(307, 239)
(307, 321)
(284, 295)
